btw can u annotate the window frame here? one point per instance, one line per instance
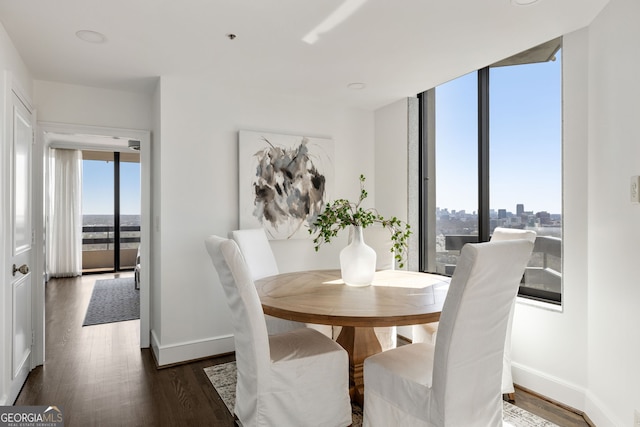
(427, 165)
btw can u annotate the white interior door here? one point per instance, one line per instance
(20, 243)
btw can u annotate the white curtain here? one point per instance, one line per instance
(64, 254)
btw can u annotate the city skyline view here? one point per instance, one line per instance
(495, 212)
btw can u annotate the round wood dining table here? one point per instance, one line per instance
(395, 298)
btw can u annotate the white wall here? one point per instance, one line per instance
(11, 67)
(11, 61)
(199, 160)
(614, 222)
(391, 164)
(396, 164)
(550, 347)
(82, 105)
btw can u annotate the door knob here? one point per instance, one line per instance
(24, 269)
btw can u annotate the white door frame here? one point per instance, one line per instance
(144, 136)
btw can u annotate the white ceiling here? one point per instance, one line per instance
(396, 47)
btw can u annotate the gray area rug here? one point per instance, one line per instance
(223, 378)
(113, 300)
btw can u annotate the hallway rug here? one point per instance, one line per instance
(113, 300)
(223, 379)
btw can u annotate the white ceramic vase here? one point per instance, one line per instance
(357, 261)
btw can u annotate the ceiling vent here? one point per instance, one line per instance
(134, 144)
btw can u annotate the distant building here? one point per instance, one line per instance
(519, 209)
(544, 217)
(502, 213)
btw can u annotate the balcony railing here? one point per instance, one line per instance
(543, 275)
(98, 244)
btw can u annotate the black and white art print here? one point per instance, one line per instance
(285, 180)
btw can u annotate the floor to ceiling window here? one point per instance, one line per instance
(111, 210)
(491, 157)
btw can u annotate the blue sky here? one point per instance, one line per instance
(525, 139)
(97, 188)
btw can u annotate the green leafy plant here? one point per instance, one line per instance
(343, 213)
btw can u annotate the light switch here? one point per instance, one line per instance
(635, 189)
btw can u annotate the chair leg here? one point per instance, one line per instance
(509, 397)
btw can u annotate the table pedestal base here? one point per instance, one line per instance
(360, 343)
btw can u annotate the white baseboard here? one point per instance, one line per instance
(15, 386)
(600, 416)
(560, 390)
(190, 350)
(550, 386)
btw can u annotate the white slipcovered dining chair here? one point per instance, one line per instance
(428, 332)
(257, 253)
(298, 378)
(502, 234)
(256, 250)
(136, 270)
(456, 381)
(379, 239)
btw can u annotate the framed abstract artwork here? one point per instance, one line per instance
(284, 182)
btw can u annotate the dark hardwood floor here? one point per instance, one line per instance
(100, 376)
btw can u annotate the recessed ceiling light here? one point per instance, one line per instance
(356, 86)
(91, 36)
(524, 2)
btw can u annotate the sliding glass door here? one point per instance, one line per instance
(111, 210)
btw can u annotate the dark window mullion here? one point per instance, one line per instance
(116, 208)
(428, 181)
(483, 155)
(422, 186)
